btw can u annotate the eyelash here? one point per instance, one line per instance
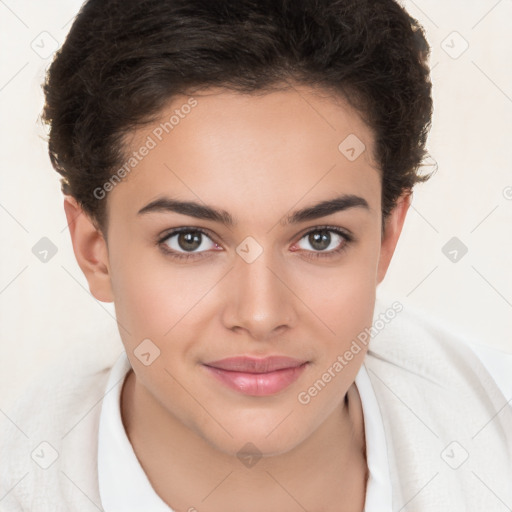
(347, 240)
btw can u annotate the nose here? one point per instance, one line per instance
(259, 300)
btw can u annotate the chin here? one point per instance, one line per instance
(267, 440)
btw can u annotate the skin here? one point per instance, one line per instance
(258, 158)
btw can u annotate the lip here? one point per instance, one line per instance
(248, 364)
(257, 376)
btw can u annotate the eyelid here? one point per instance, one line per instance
(175, 231)
(345, 233)
(348, 240)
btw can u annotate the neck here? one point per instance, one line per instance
(327, 471)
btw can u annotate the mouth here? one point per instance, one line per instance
(257, 377)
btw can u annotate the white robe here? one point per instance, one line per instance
(448, 427)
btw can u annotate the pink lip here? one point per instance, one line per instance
(257, 377)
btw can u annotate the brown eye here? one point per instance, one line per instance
(183, 241)
(189, 241)
(324, 240)
(320, 240)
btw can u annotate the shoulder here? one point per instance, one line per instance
(50, 433)
(442, 411)
(427, 348)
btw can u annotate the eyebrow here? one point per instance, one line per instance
(200, 211)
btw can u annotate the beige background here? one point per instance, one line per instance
(46, 308)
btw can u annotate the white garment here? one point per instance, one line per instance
(499, 365)
(124, 487)
(447, 425)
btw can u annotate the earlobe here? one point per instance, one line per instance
(90, 250)
(392, 230)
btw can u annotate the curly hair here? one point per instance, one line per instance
(124, 60)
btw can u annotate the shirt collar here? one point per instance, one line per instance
(125, 487)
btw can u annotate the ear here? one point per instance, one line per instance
(392, 230)
(91, 251)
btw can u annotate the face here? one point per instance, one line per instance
(217, 248)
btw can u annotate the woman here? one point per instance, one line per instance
(236, 178)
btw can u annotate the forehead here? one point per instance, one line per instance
(249, 151)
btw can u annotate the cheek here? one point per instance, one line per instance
(143, 296)
(343, 296)
(155, 298)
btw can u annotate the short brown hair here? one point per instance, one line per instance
(124, 60)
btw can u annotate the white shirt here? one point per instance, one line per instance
(124, 487)
(446, 415)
